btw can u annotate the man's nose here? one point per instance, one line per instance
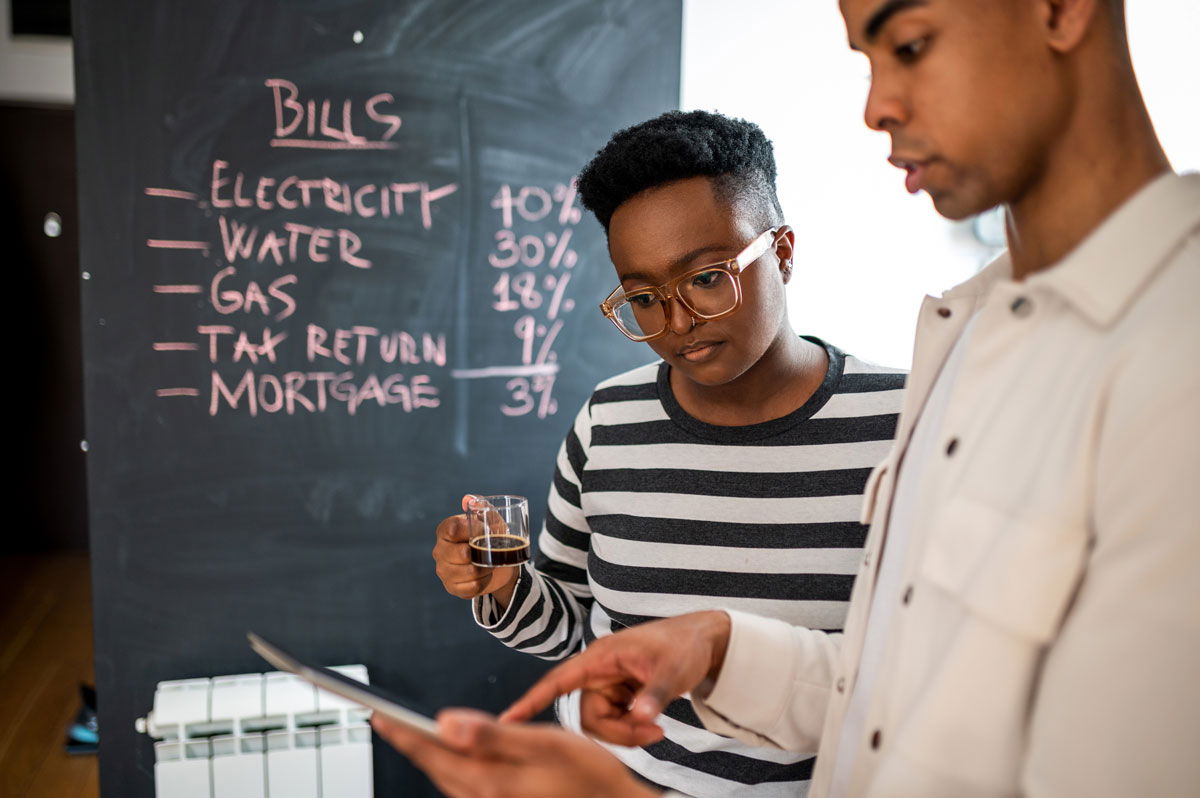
(885, 109)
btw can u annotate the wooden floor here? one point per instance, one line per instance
(45, 652)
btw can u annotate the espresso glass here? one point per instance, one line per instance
(499, 527)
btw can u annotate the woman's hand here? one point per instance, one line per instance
(459, 575)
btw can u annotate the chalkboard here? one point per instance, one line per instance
(334, 275)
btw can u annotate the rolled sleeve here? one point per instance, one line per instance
(773, 688)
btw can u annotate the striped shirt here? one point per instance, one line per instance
(654, 513)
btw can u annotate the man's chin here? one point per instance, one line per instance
(953, 207)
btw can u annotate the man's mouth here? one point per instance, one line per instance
(916, 170)
(698, 351)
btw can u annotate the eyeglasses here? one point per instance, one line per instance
(707, 293)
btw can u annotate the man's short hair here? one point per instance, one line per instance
(679, 145)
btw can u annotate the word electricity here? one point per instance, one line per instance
(230, 190)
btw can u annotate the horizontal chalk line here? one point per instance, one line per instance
(317, 144)
(170, 192)
(536, 370)
(159, 243)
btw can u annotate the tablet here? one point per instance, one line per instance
(366, 695)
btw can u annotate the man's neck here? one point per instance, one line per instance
(1106, 157)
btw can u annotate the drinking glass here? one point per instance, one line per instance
(499, 527)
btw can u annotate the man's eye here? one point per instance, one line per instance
(708, 279)
(641, 300)
(911, 50)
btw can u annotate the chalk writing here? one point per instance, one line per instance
(383, 199)
(252, 340)
(316, 391)
(534, 276)
(227, 299)
(292, 113)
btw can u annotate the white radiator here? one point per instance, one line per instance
(259, 735)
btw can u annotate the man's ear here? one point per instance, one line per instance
(1065, 23)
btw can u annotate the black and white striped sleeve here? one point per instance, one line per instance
(549, 606)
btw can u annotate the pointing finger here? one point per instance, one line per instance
(571, 675)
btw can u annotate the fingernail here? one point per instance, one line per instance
(645, 707)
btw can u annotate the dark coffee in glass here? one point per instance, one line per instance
(499, 530)
(494, 551)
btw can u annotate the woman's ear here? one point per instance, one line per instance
(785, 243)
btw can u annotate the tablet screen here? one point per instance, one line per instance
(366, 695)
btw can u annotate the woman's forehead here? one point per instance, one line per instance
(674, 226)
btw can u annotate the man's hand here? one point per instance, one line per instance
(476, 757)
(628, 678)
(459, 575)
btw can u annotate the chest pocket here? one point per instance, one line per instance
(1018, 573)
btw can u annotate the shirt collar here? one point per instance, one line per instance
(1104, 274)
(1108, 269)
(999, 270)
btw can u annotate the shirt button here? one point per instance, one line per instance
(944, 312)
(952, 447)
(1021, 307)
(876, 739)
(907, 597)
(841, 685)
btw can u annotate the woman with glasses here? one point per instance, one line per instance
(727, 474)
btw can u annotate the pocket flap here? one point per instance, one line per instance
(1019, 573)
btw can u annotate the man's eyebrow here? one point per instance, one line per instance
(883, 14)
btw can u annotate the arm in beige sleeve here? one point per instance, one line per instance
(1118, 708)
(773, 688)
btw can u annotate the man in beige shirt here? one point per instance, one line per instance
(1026, 620)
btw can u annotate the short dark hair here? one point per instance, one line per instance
(678, 145)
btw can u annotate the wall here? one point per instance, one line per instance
(34, 67)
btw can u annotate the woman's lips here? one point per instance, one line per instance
(700, 351)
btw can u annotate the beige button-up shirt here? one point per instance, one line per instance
(1048, 639)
